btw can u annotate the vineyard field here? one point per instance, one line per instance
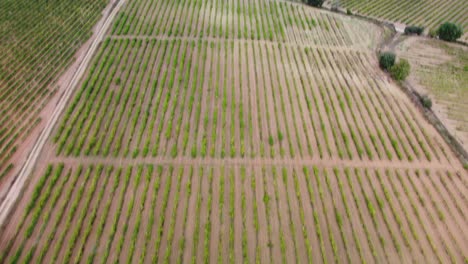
(278, 21)
(33, 57)
(218, 132)
(192, 213)
(236, 99)
(427, 13)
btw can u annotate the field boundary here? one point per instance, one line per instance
(428, 114)
(18, 183)
(432, 118)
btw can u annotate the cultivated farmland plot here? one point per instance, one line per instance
(426, 13)
(239, 20)
(211, 131)
(33, 57)
(216, 213)
(237, 99)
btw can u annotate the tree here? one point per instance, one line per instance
(400, 70)
(386, 60)
(316, 3)
(449, 31)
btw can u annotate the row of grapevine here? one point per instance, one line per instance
(201, 214)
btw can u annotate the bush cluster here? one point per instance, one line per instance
(316, 3)
(449, 31)
(400, 70)
(426, 101)
(410, 30)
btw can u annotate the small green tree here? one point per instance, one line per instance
(449, 31)
(316, 3)
(400, 70)
(386, 60)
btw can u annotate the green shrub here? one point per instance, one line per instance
(387, 60)
(400, 70)
(349, 12)
(433, 33)
(316, 3)
(409, 30)
(449, 31)
(426, 101)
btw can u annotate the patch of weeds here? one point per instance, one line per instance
(280, 136)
